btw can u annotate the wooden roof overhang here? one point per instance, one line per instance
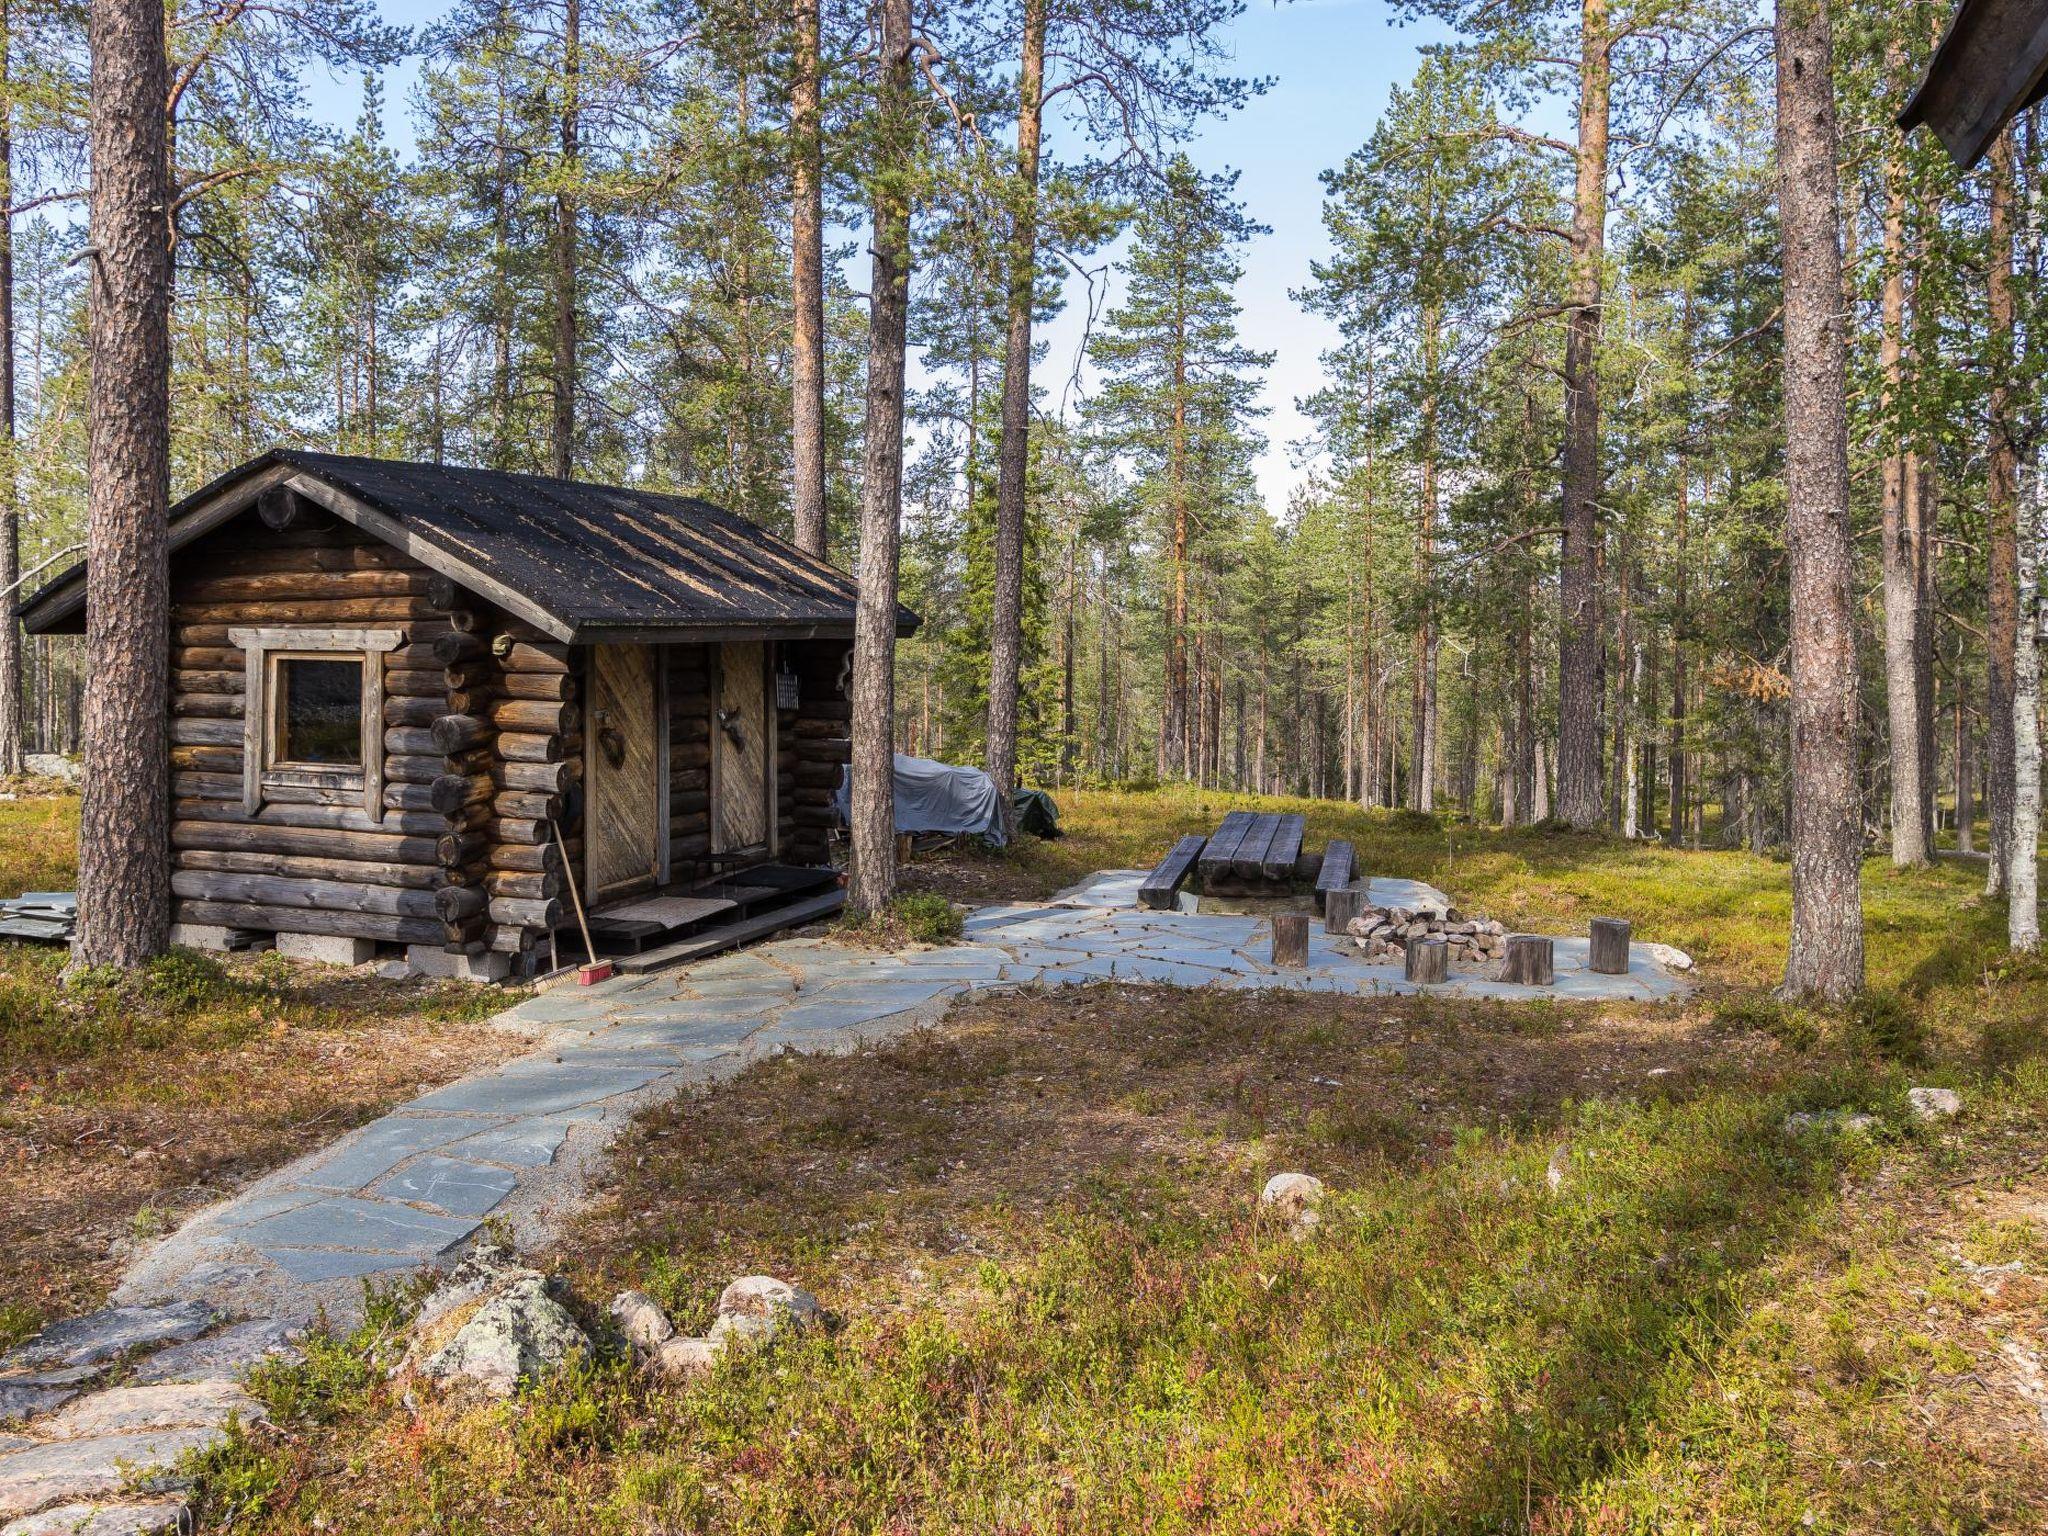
(1991, 64)
(580, 562)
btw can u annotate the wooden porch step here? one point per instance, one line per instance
(728, 935)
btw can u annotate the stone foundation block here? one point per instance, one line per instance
(329, 949)
(199, 936)
(428, 960)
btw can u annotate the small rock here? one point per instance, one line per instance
(1829, 1119)
(641, 1321)
(1934, 1103)
(680, 1358)
(1401, 915)
(1294, 1196)
(761, 1306)
(101, 1520)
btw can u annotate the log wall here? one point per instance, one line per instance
(813, 749)
(312, 860)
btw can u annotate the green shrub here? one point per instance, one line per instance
(1883, 1024)
(1759, 1013)
(928, 918)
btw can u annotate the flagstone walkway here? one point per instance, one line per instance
(518, 1144)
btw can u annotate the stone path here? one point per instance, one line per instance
(518, 1144)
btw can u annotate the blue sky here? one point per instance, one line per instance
(1332, 63)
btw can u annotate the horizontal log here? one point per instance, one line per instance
(688, 802)
(690, 728)
(689, 778)
(420, 712)
(519, 829)
(526, 805)
(208, 706)
(693, 755)
(835, 749)
(814, 816)
(547, 778)
(208, 786)
(390, 927)
(840, 710)
(811, 794)
(511, 940)
(538, 685)
(456, 733)
(529, 885)
(419, 683)
(316, 895)
(206, 658)
(411, 768)
(692, 847)
(526, 858)
(533, 715)
(516, 655)
(303, 586)
(418, 877)
(234, 682)
(207, 759)
(347, 610)
(206, 733)
(469, 674)
(524, 747)
(410, 740)
(331, 817)
(526, 914)
(268, 838)
(255, 559)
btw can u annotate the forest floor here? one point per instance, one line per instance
(1576, 1271)
(127, 1105)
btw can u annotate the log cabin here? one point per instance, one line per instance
(427, 712)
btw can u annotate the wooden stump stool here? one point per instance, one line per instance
(1428, 960)
(1610, 946)
(1341, 906)
(1290, 940)
(1529, 960)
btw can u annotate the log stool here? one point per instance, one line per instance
(1427, 960)
(1529, 961)
(1610, 946)
(1341, 906)
(1290, 940)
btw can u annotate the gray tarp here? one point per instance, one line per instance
(938, 797)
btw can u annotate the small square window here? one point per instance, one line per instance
(319, 704)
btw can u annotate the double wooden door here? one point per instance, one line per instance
(625, 820)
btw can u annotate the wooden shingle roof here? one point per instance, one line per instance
(1991, 64)
(584, 561)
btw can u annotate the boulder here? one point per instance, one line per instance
(641, 1322)
(681, 1358)
(761, 1306)
(491, 1325)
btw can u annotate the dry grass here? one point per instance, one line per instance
(126, 1105)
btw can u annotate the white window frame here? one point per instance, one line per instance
(262, 770)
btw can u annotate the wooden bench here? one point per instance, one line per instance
(1335, 873)
(1157, 890)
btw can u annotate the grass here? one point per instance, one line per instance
(126, 1103)
(1061, 1309)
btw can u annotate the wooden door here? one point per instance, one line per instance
(623, 834)
(742, 752)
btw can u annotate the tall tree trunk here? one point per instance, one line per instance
(1578, 586)
(1174, 728)
(1826, 951)
(2023, 900)
(124, 889)
(1422, 744)
(10, 512)
(873, 883)
(1966, 811)
(1680, 584)
(807, 281)
(1902, 610)
(1013, 454)
(2001, 604)
(562, 439)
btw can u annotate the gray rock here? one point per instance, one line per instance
(761, 1306)
(680, 1359)
(492, 1326)
(226, 1355)
(149, 1409)
(1829, 1120)
(1934, 1103)
(65, 1471)
(641, 1321)
(112, 1331)
(102, 1520)
(26, 1402)
(1296, 1198)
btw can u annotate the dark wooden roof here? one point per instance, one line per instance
(587, 562)
(1991, 64)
